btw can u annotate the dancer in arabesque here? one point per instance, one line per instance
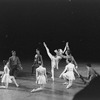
(54, 59)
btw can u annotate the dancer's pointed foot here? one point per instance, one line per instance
(33, 90)
(68, 87)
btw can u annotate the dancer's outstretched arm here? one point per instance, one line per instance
(74, 61)
(63, 56)
(76, 72)
(48, 52)
(66, 46)
(63, 72)
(97, 74)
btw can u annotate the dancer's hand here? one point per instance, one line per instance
(21, 68)
(44, 44)
(66, 44)
(76, 67)
(78, 75)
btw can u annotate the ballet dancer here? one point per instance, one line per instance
(54, 60)
(6, 78)
(67, 56)
(37, 59)
(91, 73)
(15, 64)
(68, 73)
(41, 77)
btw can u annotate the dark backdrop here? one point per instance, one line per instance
(25, 24)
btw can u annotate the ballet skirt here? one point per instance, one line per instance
(6, 77)
(41, 79)
(70, 73)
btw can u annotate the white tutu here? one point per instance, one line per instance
(6, 78)
(41, 79)
(69, 75)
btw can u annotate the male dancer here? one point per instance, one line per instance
(37, 60)
(15, 64)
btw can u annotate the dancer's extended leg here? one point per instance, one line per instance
(52, 72)
(14, 81)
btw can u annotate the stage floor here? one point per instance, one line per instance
(52, 91)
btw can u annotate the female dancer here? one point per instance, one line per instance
(6, 78)
(41, 77)
(54, 60)
(67, 56)
(69, 75)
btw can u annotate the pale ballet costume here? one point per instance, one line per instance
(40, 75)
(6, 78)
(69, 74)
(54, 61)
(41, 78)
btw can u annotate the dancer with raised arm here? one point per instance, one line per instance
(68, 73)
(67, 56)
(54, 60)
(41, 77)
(6, 78)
